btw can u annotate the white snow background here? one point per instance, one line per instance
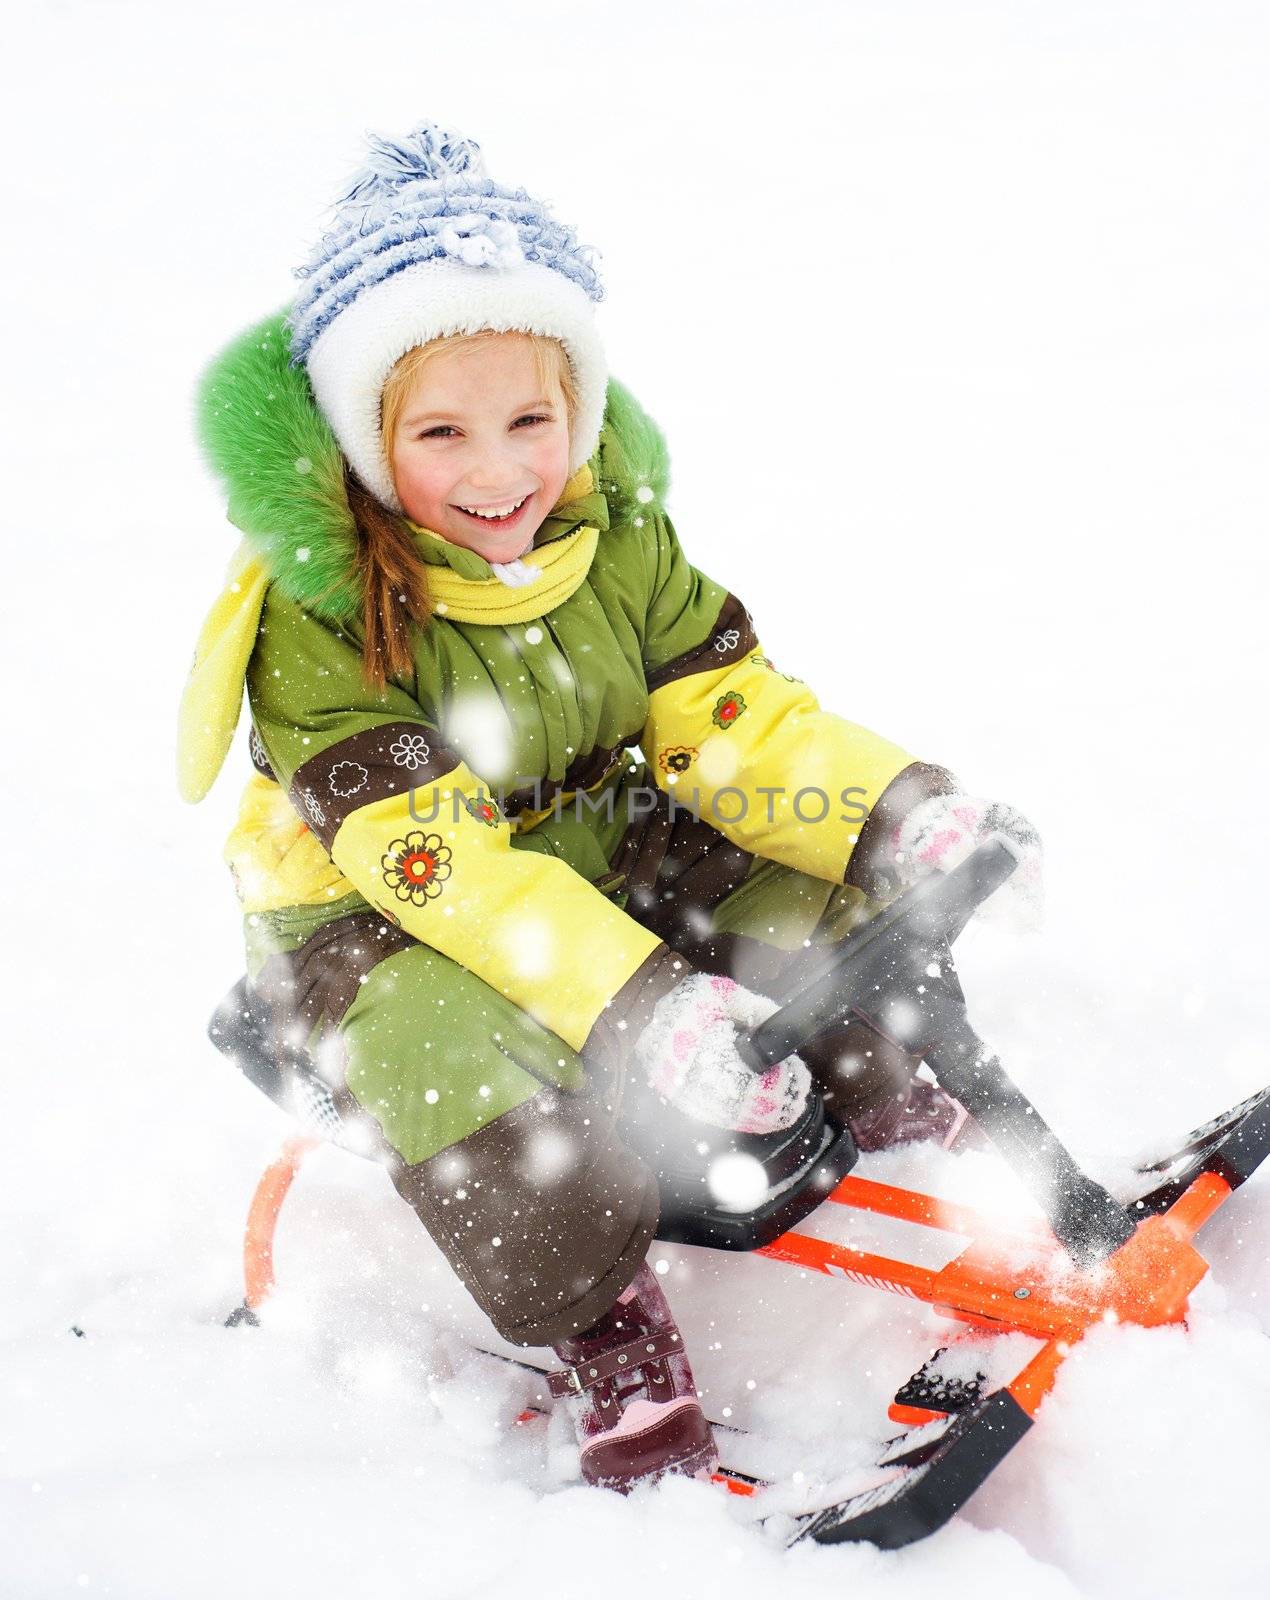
(955, 316)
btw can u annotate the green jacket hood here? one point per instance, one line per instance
(263, 436)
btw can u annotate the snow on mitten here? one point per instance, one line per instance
(941, 831)
(688, 1054)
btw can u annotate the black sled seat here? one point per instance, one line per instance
(726, 1190)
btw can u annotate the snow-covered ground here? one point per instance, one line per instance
(965, 306)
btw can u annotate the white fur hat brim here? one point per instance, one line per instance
(350, 360)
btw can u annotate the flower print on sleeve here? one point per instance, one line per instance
(348, 778)
(484, 810)
(416, 867)
(676, 758)
(411, 750)
(727, 708)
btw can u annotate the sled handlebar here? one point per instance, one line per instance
(901, 943)
(896, 975)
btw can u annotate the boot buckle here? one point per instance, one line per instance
(564, 1381)
(629, 1357)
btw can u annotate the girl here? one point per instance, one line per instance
(459, 607)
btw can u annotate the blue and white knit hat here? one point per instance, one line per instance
(424, 244)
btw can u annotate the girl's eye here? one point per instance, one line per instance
(444, 428)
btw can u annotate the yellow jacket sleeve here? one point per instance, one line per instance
(745, 745)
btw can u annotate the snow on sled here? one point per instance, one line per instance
(1024, 1295)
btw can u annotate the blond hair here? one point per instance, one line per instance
(394, 579)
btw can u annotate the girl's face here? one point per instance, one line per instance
(477, 433)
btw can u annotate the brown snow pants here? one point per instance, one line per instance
(502, 1138)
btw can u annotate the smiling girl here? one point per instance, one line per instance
(460, 598)
(477, 436)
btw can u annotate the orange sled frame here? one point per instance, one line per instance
(1002, 1281)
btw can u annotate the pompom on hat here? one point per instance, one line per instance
(423, 244)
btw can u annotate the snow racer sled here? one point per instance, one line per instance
(1090, 1257)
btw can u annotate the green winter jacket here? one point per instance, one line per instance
(431, 800)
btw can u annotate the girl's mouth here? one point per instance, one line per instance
(509, 521)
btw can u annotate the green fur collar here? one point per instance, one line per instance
(262, 434)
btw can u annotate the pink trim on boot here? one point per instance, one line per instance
(630, 1393)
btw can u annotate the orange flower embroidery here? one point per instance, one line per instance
(676, 758)
(416, 867)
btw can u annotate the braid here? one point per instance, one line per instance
(394, 588)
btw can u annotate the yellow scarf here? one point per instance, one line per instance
(564, 562)
(212, 699)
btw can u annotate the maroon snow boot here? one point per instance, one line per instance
(629, 1390)
(924, 1112)
(868, 1083)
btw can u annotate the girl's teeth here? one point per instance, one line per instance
(494, 516)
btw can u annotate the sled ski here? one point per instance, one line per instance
(1003, 1283)
(960, 1433)
(1232, 1146)
(940, 1471)
(1090, 1257)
